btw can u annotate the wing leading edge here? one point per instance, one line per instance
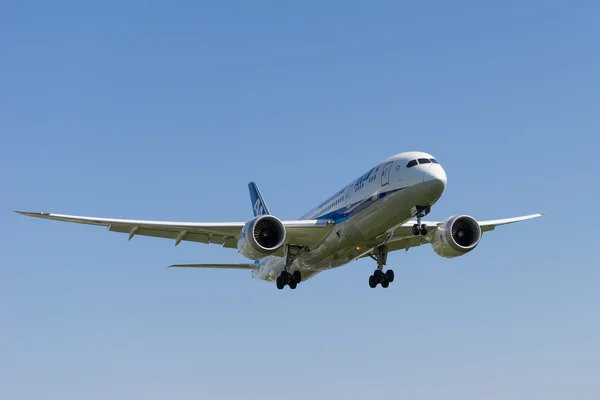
(492, 224)
(300, 233)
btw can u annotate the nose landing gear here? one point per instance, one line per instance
(380, 277)
(419, 212)
(419, 229)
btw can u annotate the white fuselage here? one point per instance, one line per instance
(377, 201)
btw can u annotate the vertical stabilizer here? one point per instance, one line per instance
(258, 203)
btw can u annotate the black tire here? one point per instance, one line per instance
(280, 285)
(416, 230)
(285, 277)
(423, 229)
(297, 276)
(389, 275)
(385, 284)
(378, 275)
(292, 284)
(372, 282)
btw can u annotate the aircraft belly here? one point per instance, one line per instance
(376, 219)
(341, 245)
(391, 211)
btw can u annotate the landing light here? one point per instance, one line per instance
(357, 248)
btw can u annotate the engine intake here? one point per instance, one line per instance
(261, 236)
(456, 236)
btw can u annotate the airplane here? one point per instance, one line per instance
(379, 212)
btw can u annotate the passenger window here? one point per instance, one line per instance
(411, 163)
(433, 160)
(424, 161)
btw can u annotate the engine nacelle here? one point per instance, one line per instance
(456, 236)
(261, 236)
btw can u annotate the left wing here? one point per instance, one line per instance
(492, 224)
(300, 233)
(401, 237)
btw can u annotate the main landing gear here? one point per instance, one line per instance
(385, 278)
(292, 280)
(287, 278)
(419, 212)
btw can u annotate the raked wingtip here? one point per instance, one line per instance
(31, 214)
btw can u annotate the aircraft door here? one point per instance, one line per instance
(385, 173)
(347, 196)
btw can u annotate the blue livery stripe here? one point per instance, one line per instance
(343, 213)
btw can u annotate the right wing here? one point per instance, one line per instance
(299, 233)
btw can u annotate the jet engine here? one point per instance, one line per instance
(261, 236)
(456, 236)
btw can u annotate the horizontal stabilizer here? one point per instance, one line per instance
(223, 266)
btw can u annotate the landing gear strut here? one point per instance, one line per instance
(287, 278)
(385, 278)
(419, 212)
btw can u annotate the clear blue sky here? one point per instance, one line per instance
(165, 110)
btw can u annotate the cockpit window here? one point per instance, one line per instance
(433, 160)
(411, 163)
(424, 161)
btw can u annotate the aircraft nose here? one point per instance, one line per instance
(437, 176)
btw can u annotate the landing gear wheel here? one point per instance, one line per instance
(378, 275)
(292, 284)
(372, 282)
(415, 230)
(420, 212)
(280, 284)
(285, 277)
(380, 256)
(297, 276)
(389, 275)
